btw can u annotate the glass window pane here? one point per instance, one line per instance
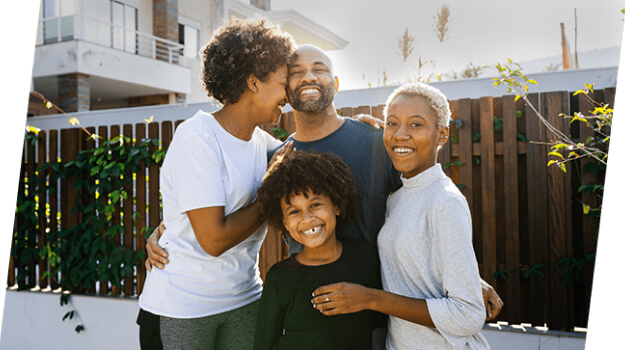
(130, 23)
(191, 42)
(68, 7)
(49, 8)
(117, 26)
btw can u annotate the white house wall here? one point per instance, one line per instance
(91, 59)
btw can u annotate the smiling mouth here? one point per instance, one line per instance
(312, 231)
(402, 150)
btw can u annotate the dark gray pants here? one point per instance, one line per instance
(231, 330)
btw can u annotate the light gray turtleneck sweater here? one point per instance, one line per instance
(426, 253)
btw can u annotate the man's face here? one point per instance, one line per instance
(311, 85)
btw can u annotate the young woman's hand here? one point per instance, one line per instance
(341, 298)
(157, 256)
(279, 155)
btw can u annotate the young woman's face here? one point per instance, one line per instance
(310, 219)
(271, 96)
(411, 136)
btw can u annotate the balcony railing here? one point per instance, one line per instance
(58, 29)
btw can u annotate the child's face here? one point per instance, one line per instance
(310, 219)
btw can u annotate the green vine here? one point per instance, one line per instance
(85, 253)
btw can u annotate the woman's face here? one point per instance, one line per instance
(271, 96)
(411, 136)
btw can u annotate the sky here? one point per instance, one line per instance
(480, 33)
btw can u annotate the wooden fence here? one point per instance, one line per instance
(525, 214)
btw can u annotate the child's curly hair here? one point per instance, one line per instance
(239, 48)
(322, 173)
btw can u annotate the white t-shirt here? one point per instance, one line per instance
(205, 166)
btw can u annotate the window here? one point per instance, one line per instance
(124, 27)
(58, 24)
(189, 36)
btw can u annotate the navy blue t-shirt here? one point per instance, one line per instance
(361, 147)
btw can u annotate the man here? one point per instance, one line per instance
(311, 89)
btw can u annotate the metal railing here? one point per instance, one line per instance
(59, 29)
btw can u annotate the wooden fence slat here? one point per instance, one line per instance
(477, 185)
(104, 283)
(537, 211)
(511, 205)
(53, 194)
(128, 214)
(89, 144)
(140, 220)
(590, 226)
(116, 217)
(31, 164)
(489, 238)
(378, 111)
(153, 183)
(465, 145)
(559, 196)
(362, 110)
(69, 145)
(346, 111)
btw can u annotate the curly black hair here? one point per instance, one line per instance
(322, 173)
(239, 48)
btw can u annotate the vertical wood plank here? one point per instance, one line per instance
(465, 147)
(511, 205)
(128, 214)
(362, 110)
(378, 112)
(140, 221)
(590, 226)
(154, 217)
(537, 211)
(346, 111)
(104, 283)
(54, 195)
(31, 233)
(559, 196)
(42, 149)
(487, 151)
(69, 145)
(116, 219)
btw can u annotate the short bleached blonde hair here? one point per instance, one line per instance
(434, 97)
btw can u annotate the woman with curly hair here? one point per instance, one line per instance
(309, 196)
(207, 298)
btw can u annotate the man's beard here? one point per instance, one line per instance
(311, 106)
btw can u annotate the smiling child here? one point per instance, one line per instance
(309, 195)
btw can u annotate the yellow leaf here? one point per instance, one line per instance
(532, 81)
(149, 120)
(73, 121)
(551, 162)
(554, 153)
(48, 105)
(517, 97)
(33, 129)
